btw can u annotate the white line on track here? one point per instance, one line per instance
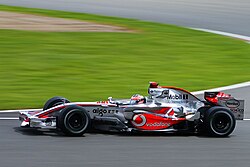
(240, 85)
(13, 111)
(242, 37)
(6, 118)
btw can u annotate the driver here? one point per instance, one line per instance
(137, 99)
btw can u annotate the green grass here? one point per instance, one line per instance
(85, 66)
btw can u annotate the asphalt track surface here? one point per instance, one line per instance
(31, 148)
(27, 148)
(231, 16)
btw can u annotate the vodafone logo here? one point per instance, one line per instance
(159, 124)
(139, 120)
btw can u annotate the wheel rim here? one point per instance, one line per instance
(221, 123)
(76, 121)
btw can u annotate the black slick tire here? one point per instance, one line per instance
(74, 121)
(55, 101)
(219, 122)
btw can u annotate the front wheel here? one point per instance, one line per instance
(219, 122)
(55, 101)
(74, 121)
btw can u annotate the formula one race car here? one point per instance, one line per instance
(165, 109)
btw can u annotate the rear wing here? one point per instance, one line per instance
(236, 106)
(226, 100)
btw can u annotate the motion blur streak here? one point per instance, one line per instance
(222, 15)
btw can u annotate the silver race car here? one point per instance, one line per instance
(165, 109)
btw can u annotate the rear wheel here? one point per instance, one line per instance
(74, 121)
(219, 122)
(55, 101)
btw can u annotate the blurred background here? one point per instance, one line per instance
(88, 50)
(41, 57)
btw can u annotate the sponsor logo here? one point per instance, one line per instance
(168, 96)
(178, 97)
(139, 120)
(157, 124)
(165, 92)
(155, 91)
(232, 103)
(102, 112)
(236, 110)
(102, 102)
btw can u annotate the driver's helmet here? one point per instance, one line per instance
(137, 99)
